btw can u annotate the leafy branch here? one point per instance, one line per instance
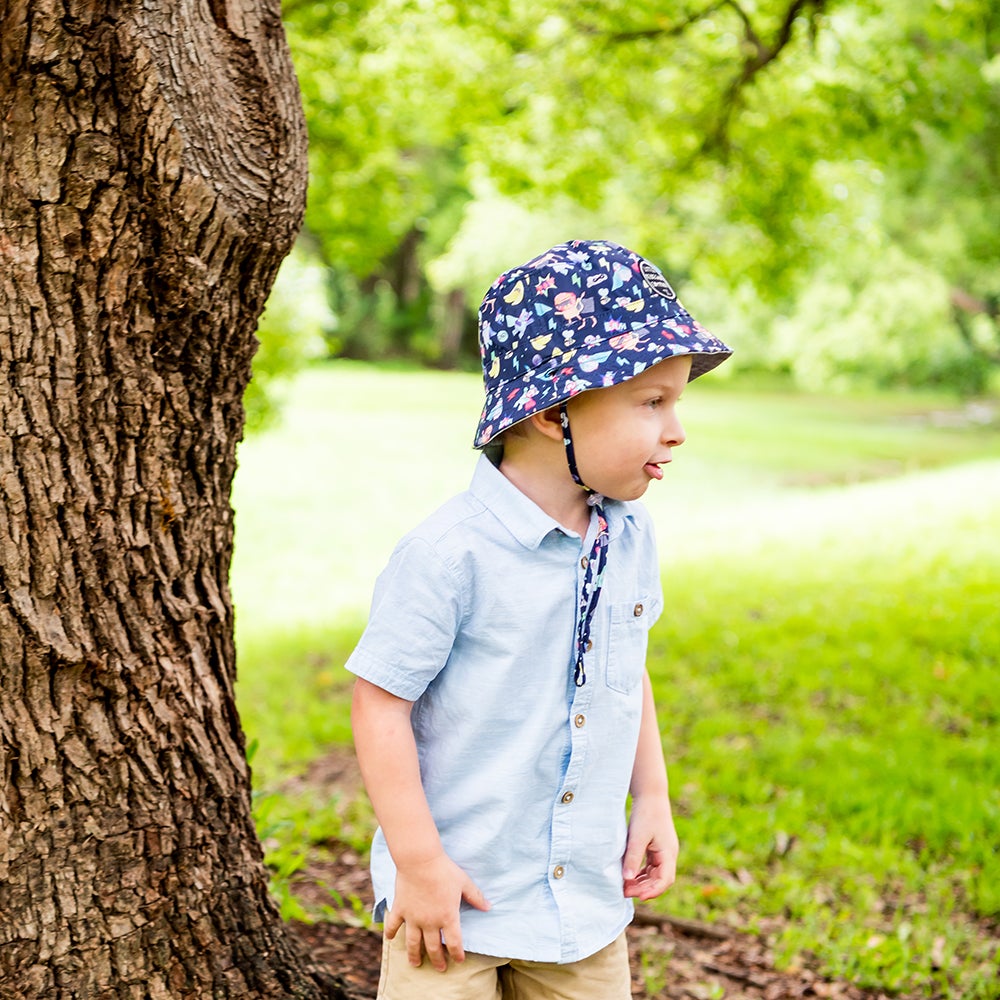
(759, 53)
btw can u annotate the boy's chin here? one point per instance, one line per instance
(632, 493)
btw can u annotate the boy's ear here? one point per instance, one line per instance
(548, 422)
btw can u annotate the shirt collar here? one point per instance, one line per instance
(521, 516)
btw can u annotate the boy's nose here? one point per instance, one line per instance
(673, 433)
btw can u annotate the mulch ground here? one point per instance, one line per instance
(698, 961)
(672, 959)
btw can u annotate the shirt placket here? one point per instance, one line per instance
(561, 875)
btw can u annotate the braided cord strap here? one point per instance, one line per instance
(590, 592)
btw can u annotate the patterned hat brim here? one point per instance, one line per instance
(545, 386)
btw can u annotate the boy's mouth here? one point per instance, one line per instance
(653, 470)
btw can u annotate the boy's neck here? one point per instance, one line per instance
(538, 474)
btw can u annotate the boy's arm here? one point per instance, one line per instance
(650, 863)
(429, 885)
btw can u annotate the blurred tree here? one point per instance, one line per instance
(943, 172)
(389, 90)
(775, 146)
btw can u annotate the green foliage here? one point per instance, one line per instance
(294, 722)
(295, 828)
(387, 88)
(284, 854)
(852, 329)
(794, 156)
(290, 332)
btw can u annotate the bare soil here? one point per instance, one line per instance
(672, 958)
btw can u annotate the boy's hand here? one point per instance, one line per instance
(428, 896)
(650, 864)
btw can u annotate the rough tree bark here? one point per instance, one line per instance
(152, 177)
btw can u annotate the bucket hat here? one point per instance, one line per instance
(585, 314)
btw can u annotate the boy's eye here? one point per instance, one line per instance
(654, 403)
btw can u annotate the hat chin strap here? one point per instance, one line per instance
(594, 499)
(590, 589)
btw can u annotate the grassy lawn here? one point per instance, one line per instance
(826, 670)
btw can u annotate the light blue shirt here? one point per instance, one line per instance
(474, 621)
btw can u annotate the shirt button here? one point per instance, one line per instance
(558, 871)
(579, 721)
(637, 610)
(584, 562)
(567, 798)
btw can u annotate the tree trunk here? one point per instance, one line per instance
(453, 323)
(152, 177)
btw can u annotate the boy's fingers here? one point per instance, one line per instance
(392, 924)
(664, 866)
(632, 863)
(637, 884)
(652, 880)
(435, 950)
(414, 946)
(474, 897)
(453, 942)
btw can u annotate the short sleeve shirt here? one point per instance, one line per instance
(526, 774)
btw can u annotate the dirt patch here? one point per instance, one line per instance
(669, 962)
(672, 958)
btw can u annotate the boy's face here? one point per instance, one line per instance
(623, 434)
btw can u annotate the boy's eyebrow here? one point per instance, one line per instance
(659, 386)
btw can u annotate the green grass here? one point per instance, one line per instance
(826, 669)
(845, 703)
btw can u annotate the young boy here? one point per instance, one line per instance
(502, 712)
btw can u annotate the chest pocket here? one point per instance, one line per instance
(627, 643)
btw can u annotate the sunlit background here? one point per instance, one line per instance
(821, 183)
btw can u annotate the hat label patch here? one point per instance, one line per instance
(655, 281)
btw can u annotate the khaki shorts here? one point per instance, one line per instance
(603, 976)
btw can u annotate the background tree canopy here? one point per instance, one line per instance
(820, 177)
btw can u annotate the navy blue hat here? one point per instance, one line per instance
(583, 315)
